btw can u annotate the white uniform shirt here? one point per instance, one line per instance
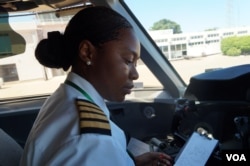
(55, 138)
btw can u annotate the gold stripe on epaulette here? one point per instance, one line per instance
(92, 119)
(94, 124)
(94, 110)
(87, 104)
(92, 116)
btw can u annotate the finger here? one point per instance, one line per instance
(164, 156)
(165, 162)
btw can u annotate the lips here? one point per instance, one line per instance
(128, 89)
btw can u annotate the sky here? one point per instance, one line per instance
(193, 15)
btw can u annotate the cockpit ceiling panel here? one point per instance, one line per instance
(39, 5)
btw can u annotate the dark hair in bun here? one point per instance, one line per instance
(50, 52)
(96, 24)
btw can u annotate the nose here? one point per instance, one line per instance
(134, 75)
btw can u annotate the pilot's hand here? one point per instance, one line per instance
(153, 159)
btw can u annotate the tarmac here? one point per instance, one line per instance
(190, 67)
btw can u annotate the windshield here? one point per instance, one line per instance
(191, 33)
(20, 73)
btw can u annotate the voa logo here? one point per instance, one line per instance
(236, 157)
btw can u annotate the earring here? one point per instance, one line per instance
(88, 63)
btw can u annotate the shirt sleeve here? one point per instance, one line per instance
(91, 150)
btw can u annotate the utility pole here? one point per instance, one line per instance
(229, 13)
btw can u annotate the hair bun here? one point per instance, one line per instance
(51, 52)
(55, 39)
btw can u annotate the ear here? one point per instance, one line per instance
(86, 51)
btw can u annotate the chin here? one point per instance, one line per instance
(118, 99)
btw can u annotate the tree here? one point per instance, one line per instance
(166, 24)
(236, 45)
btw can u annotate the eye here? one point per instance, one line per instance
(128, 62)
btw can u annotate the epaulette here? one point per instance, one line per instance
(91, 118)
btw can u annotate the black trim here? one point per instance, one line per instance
(87, 130)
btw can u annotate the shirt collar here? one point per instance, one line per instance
(89, 89)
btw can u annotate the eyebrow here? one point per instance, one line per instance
(135, 55)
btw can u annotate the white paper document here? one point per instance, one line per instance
(196, 151)
(137, 147)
